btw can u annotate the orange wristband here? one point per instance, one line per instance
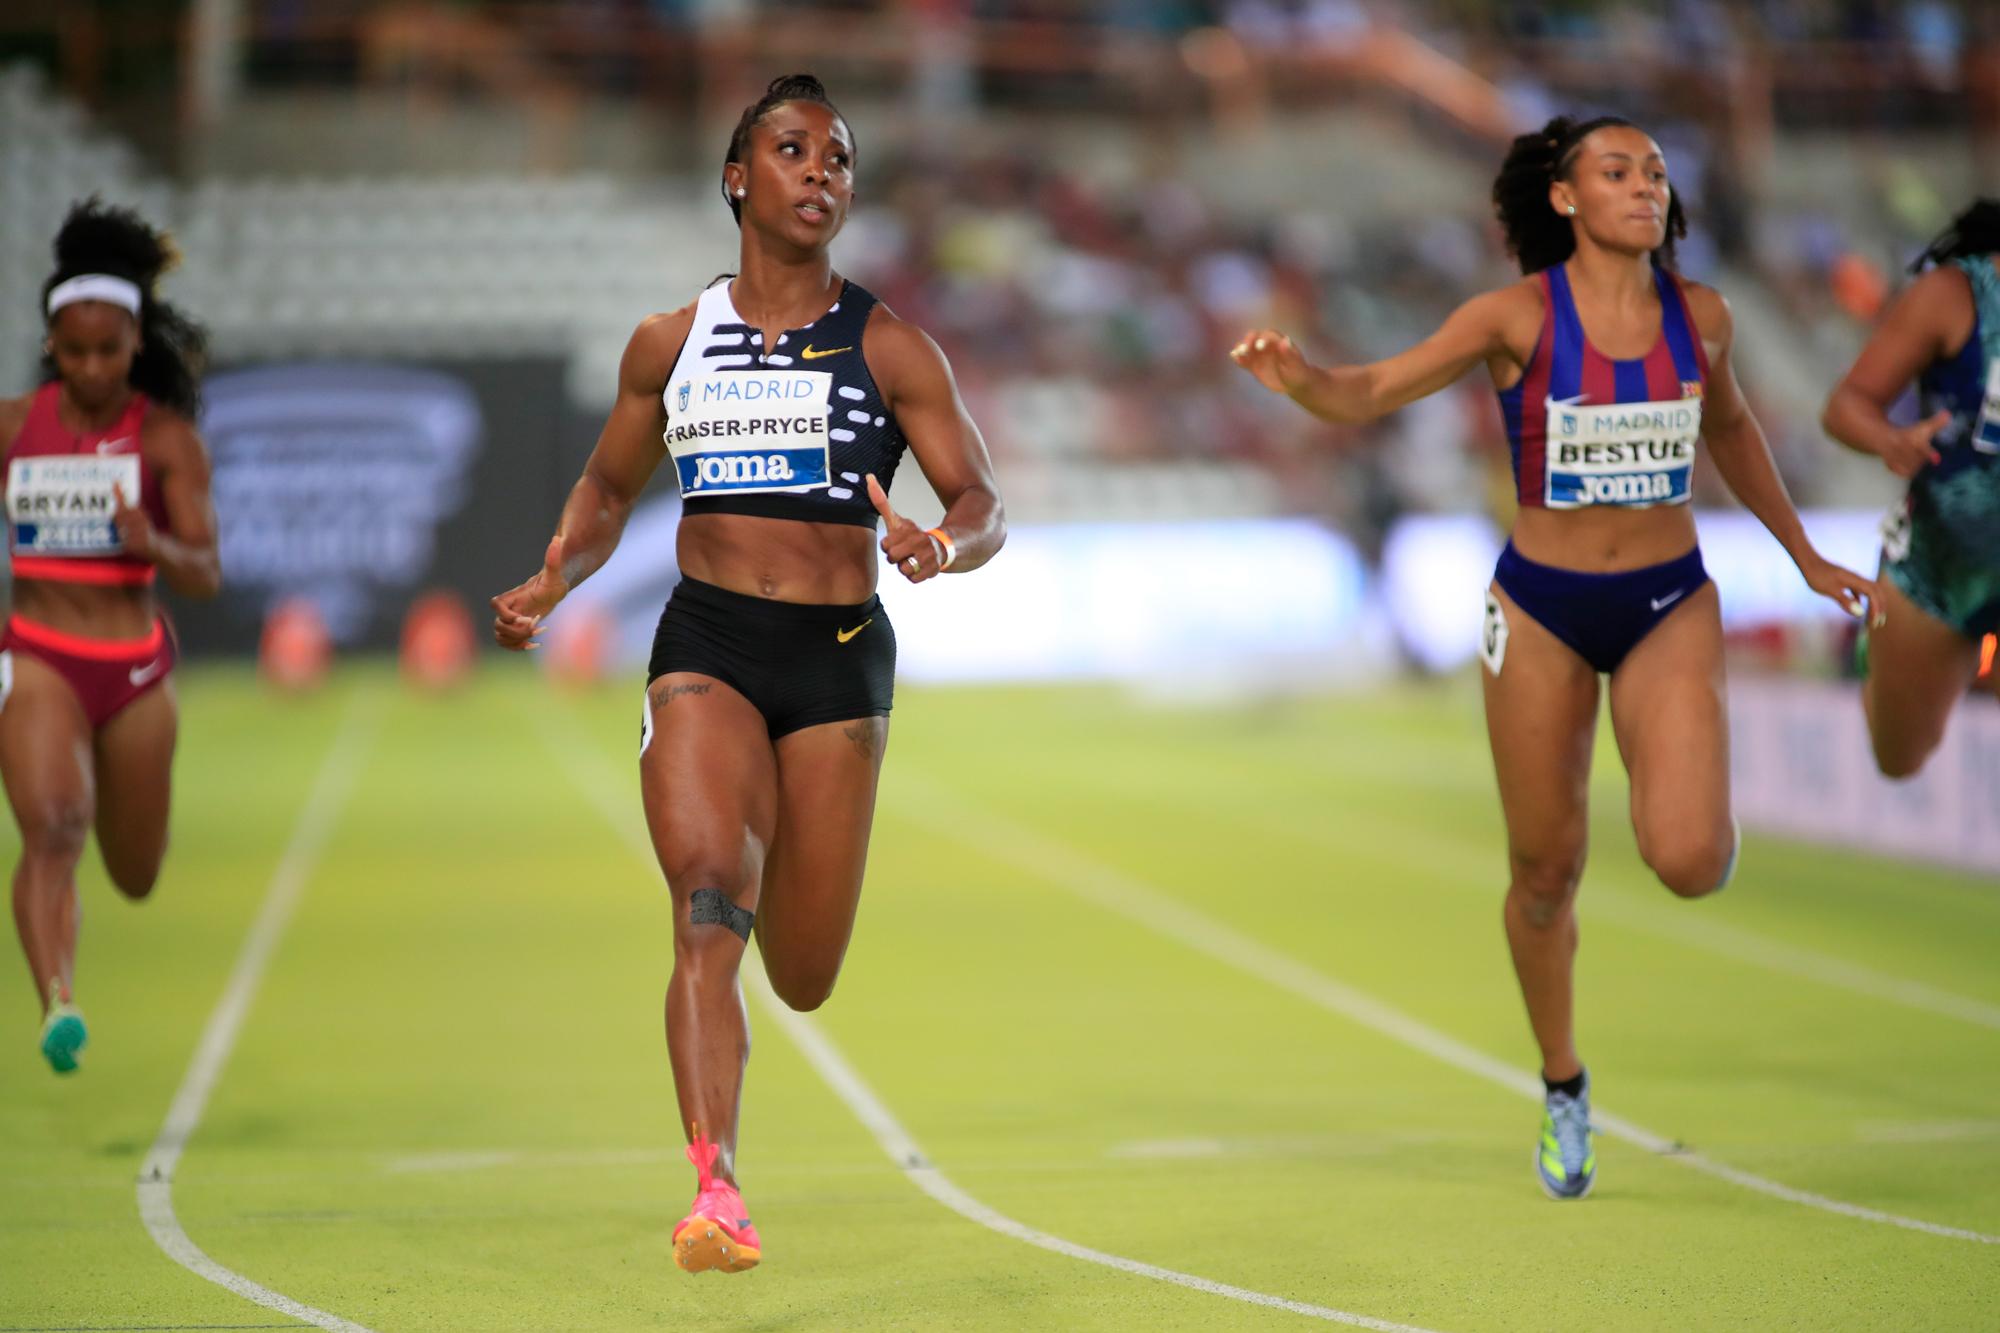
(943, 539)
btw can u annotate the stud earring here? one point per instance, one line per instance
(740, 192)
(1571, 210)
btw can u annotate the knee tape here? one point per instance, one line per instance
(711, 907)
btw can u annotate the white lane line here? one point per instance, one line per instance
(1009, 842)
(1927, 1131)
(1450, 851)
(529, 1159)
(904, 1152)
(452, 1161)
(156, 1178)
(619, 810)
(1746, 946)
(1173, 1150)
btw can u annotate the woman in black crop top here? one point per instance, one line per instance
(779, 397)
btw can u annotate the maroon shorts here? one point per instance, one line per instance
(106, 674)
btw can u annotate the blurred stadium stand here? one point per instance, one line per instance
(1084, 202)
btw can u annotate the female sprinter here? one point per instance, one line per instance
(1609, 366)
(1941, 545)
(107, 489)
(784, 398)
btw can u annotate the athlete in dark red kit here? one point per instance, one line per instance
(107, 492)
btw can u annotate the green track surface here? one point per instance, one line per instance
(450, 1106)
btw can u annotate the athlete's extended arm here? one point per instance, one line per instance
(917, 384)
(1743, 457)
(186, 553)
(1477, 331)
(628, 449)
(1915, 331)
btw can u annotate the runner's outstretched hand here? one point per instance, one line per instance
(1274, 359)
(1855, 595)
(518, 612)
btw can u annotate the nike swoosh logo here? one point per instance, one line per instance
(845, 634)
(110, 446)
(812, 353)
(1662, 603)
(140, 675)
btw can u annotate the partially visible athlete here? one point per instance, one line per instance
(784, 398)
(1941, 543)
(1610, 367)
(107, 490)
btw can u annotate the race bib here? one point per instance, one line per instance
(1896, 533)
(1986, 434)
(62, 505)
(1631, 454)
(1493, 635)
(749, 431)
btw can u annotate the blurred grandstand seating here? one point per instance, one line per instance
(1086, 289)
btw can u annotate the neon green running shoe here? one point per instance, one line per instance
(63, 1032)
(1565, 1160)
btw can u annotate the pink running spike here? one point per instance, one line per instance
(716, 1233)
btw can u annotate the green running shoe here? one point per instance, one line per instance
(63, 1032)
(1565, 1160)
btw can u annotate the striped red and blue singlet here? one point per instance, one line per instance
(1567, 373)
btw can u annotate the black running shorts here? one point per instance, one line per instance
(799, 664)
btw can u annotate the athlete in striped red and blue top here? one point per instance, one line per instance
(1610, 368)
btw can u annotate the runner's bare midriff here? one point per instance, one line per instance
(780, 558)
(86, 610)
(1606, 540)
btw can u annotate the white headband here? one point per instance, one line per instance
(95, 287)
